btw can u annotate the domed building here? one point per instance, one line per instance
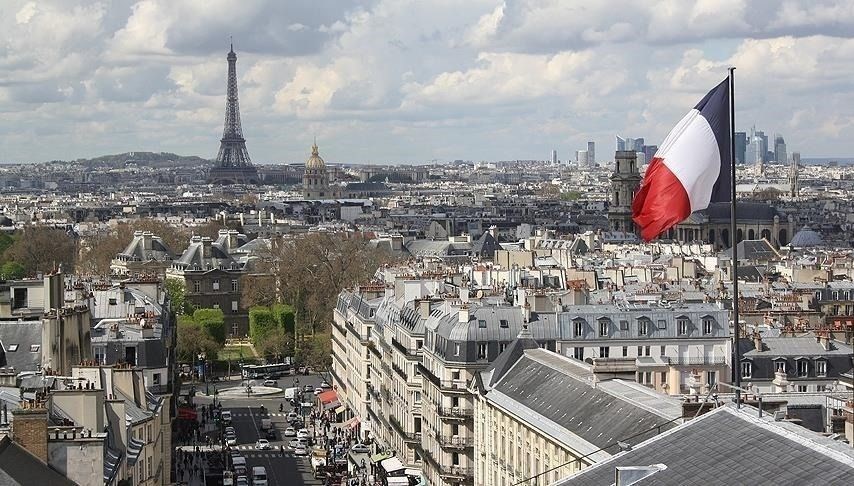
(315, 180)
(806, 238)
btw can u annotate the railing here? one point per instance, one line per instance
(425, 372)
(407, 436)
(373, 348)
(455, 441)
(455, 412)
(403, 349)
(697, 360)
(385, 394)
(340, 345)
(400, 372)
(456, 472)
(337, 379)
(363, 339)
(444, 385)
(163, 389)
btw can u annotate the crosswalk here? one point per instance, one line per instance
(247, 414)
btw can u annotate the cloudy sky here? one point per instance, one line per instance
(412, 81)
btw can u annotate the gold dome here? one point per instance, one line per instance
(315, 162)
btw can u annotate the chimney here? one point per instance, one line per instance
(464, 313)
(206, 247)
(146, 240)
(757, 341)
(526, 312)
(424, 308)
(825, 341)
(29, 429)
(232, 240)
(242, 220)
(464, 295)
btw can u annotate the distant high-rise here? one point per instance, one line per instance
(753, 151)
(649, 152)
(780, 150)
(591, 153)
(582, 157)
(554, 156)
(621, 144)
(233, 165)
(740, 147)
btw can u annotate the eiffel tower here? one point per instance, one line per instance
(233, 165)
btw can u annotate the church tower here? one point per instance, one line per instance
(315, 181)
(624, 183)
(794, 184)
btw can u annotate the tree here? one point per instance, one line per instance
(6, 241)
(316, 351)
(276, 344)
(97, 251)
(192, 340)
(258, 290)
(285, 317)
(213, 322)
(177, 291)
(261, 322)
(42, 249)
(12, 270)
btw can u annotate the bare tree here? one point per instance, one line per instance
(43, 249)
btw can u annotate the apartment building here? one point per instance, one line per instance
(669, 347)
(540, 416)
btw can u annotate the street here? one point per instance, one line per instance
(283, 468)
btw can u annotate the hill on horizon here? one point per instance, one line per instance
(148, 159)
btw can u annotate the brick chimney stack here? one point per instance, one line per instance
(29, 429)
(757, 341)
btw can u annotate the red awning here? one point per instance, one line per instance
(328, 397)
(352, 423)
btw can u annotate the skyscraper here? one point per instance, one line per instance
(740, 147)
(591, 153)
(233, 165)
(780, 150)
(582, 157)
(621, 144)
(554, 156)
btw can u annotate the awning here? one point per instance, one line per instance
(380, 457)
(340, 409)
(392, 464)
(353, 422)
(328, 396)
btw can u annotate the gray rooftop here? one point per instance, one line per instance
(793, 346)
(729, 446)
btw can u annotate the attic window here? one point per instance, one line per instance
(12, 348)
(481, 323)
(34, 348)
(112, 301)
(504, 324)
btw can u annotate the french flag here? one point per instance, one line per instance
(690, 169)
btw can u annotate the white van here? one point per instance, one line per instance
(259, 476)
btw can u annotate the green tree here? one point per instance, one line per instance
(285, 317)
(213, 322)
(276, 344)
(6, 241)
(12, 270)
(177, 291)
(192, 341)
(315, 351)
(261, 322)
(42, 249)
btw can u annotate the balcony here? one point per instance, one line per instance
(455, 441)
(458, 386)
(407, 436)
(400, 372)
(364, 339)
(455, 413)
(403, 349)
(337, 379)
(698, 360)
(456, 473)
(373, 349)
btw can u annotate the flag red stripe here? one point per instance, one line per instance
(661, 202)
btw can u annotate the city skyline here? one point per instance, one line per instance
(493, 81)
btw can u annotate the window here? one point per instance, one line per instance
(662, 324)
(646, 351)
(215, 284)
(603, 328)
(197, 286)
(455, 375)
(12, 348)
(662, 351)
(604, 352)
(234, 286)
(643, 327)
(504, 324)
(802, 388)
(803, 367)
(34, 348)
(682, 327)
(625, 351)
(216, 306)
(780, 366)
(821, 367)
(155, 378)
(707, 325)
(711, 378)
(662, 378)
(419, 344)
(481, 324)
(645, 377)
(502, 347)
(624, 325)
(746, 369)
(578, 353)
(112, 301)
(481, 351)
(100, 355)
(579, 329)
(456, 349)
(233, 306)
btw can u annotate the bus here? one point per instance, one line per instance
(252, 372)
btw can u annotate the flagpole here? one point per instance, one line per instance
(736, 360)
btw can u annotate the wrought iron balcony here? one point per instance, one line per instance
(400, 372)
(459, 386)
(455, 441)
(456, 472)
(455, 412)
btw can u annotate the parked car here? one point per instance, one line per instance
(292, 416)
(226, 417)
(325, 385)
(270, 383)
(301, 450)
(231, 439)
(318, 391)
(229, 430)
(303, 434)
(302, 370)
(308, 388)
(290, 432)
(294, 444)
(241, 481)
(360, 449)
(262, 444)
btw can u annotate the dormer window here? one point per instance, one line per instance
(12, 348)
(708, 324)
(481, 324)
(578, 328)
(746, 369)
(34, 348)
(112, 301)
(682, 326)
(643, 327)
(820, 367)
(603, 327)
(504, 324)
(803, 367)
(779, 366)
